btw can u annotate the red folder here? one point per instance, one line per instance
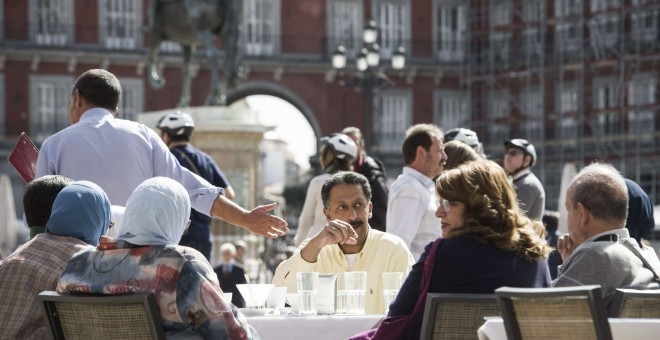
(24, 157)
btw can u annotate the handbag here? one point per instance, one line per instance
(401, 326)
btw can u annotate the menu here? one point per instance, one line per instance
(24, 158)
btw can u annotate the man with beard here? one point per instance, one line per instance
(347, 243)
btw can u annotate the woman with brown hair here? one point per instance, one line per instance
(487, 242)
(459, 153)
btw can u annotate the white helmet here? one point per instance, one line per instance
(466, 136)
(177, 124)
(342, 146)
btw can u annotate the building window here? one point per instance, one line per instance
(641, 118)
(170, 47)
(393, 17)
(3, 110)
(132, 94)
(567, 107)
(645, 22)
(605, 94)
(533, 13)
(566, 8)
(393, 115)
(603, 5)
(568, 30)
(49, 104)
(450, 30)
(534, 10)
(51, 22)
(604, 34)
(532, 109)
(451, 110)
(498, 114)
(121, 24)
(500, 12)
(345, 25)
(499, 46)
(261, 20)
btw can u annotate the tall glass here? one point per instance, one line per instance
(391, 284)
(308, 286)
(351, 292)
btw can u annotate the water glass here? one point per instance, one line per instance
(308, 286)
(351, 293)
(392, 282)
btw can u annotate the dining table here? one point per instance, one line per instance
(622, 329)
(317, 327)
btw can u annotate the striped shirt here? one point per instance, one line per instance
(34, 267)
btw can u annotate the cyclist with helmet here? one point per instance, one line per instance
(466, 136)
(374, 171)
(519, 158)
(337, 153)
(176, 129)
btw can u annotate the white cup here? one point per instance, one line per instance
(276, 298)
(308, 287)
(228, 296)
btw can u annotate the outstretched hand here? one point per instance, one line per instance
(260, 222)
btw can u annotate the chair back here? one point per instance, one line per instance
(554, 313)
(93, 316)
(456, 316)
(633, 303)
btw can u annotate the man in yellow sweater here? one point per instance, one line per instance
(347, 243)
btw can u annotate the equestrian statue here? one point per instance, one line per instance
(189, 23)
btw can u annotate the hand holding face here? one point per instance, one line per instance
(565, 246)
(335, 232)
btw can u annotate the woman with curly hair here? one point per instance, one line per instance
(487, 243)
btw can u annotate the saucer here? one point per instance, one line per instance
(248, 312)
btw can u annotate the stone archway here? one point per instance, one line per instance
(273, 89)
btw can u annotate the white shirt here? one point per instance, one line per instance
(118, 155)
(411, 211)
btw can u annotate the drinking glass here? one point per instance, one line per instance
(351, 292)
(308, 286)
(391, 284)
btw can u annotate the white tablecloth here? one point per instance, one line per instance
(622, 329)
(321, 327)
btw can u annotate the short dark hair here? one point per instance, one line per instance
(344, 177)
(419, 135)
(39, 196)
(551, 221)
(99, 88)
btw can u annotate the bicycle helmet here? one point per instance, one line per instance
(466, 136)
(524, 145)
(177, 124)
(342, 146)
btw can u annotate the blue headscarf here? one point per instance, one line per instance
(157, 213)
(640, 221)
(80, 210)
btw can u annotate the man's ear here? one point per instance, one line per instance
(371, 207)
(420, 153)
(327, 214)
(585, 214)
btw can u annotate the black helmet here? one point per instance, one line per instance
(177, 124)
(524, 145)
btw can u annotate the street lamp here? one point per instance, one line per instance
(368, 79)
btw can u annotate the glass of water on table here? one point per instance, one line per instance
(308, 285)
(392, 282)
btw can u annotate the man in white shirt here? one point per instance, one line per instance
(412, 202)
(119, 154)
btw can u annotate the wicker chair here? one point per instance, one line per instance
(129, 316)
(456, 316)
(632, 303)
(554, 313)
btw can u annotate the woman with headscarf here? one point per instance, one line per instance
(487, 241)
(147, 258)
(80, 215)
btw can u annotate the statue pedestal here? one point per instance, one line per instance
(231, 136)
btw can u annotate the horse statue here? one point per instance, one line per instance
(189, 23)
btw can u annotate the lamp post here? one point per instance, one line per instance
(369, 78)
